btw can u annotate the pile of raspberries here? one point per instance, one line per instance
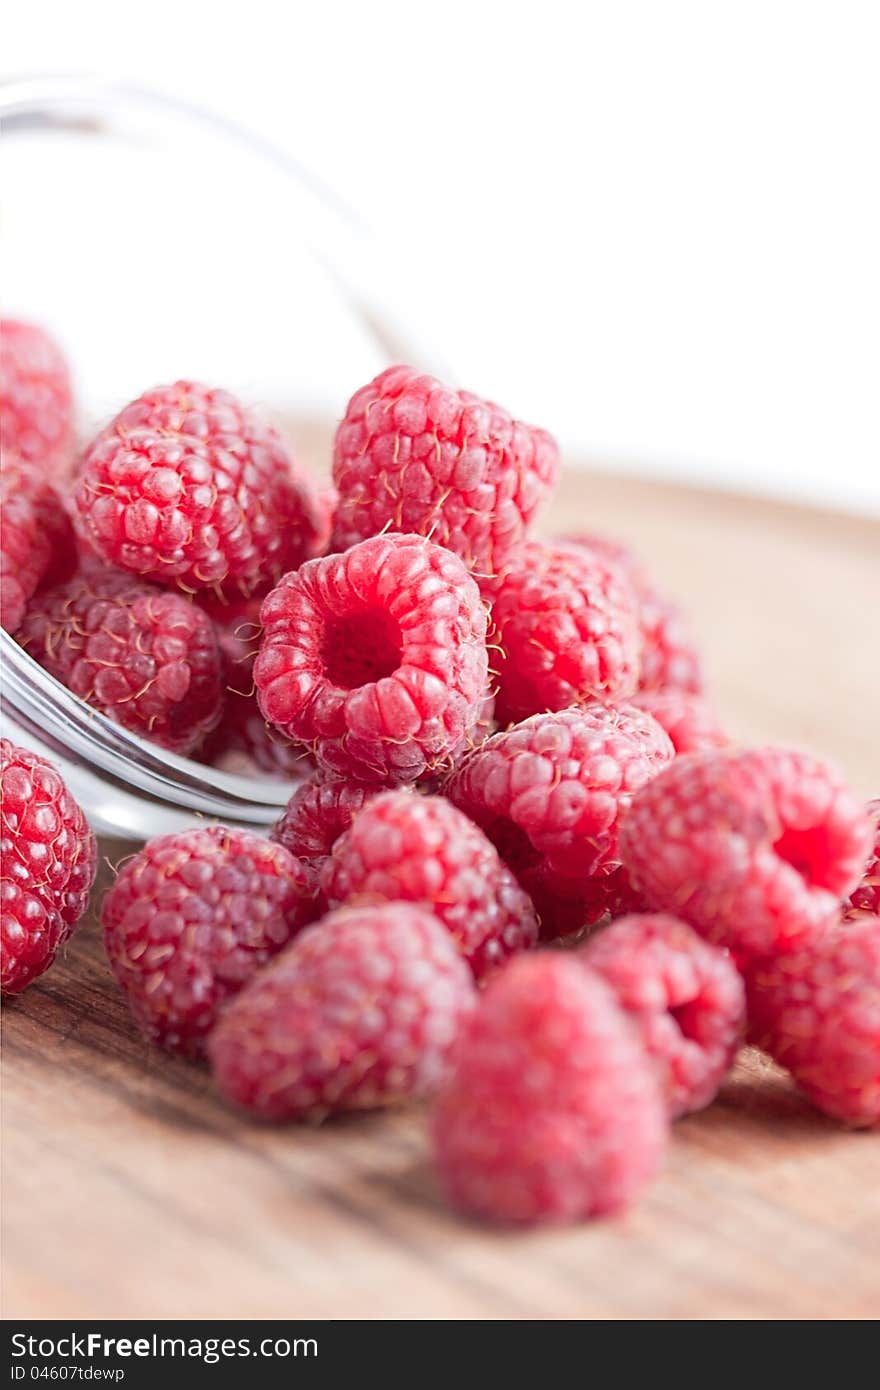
(522, 872)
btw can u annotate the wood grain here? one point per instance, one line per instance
(129, 1191)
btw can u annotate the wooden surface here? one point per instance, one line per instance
(129, 1191)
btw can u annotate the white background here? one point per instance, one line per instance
(654, 228)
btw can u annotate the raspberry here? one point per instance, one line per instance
(688, 719)
(36, 540)
(670, 658)
(565, 623)
(376, 657)
(187, 487)
(48, 859)
(552, 1111)
(865, 900)
(36, 401)
(817, 1012)
(360, 1011)
(191, 918)
(316, 815)
(146, 658)
(409, 848)
(242, 729)
(549, 794)
(685, 996)
(755, 849)
(414, 455)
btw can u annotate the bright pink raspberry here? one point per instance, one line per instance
(817, 1012)
(37, 545)
(376, 657)
(36, 400)
(146, 658)
(754, 848)
(565, 630)
(549, 793)
(48, 858)
(191, 918)
(685, 996)
(670, 658)
(552, 1111)
(865, 900)
(414, 455)
(409, 848)
(187, 487)
(688, 719)
(316, 815)
(360, 1011)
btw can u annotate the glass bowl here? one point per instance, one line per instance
(156, 242)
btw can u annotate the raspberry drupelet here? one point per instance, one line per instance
(864, 901)
(361, 1011)
(36, 399)
(375, 658)
(187, 487)
(48, 859)
(552, 1111)
(754, 848)
(414, 455)
(685, 996)
(817, 1012)
(146, 658)
(191, 918)
(564, 631)
(37, 545)
(549, 794)
(317, 813)
(409, 848)
(688, 719)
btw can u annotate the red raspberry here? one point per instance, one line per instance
(670, 658)
(549, 794)
(685, 996)
(817, 1012)
(865, 900)
(376, 657)
(191, 918)
(755, 849)
(48, 859)
(36, 401)
(316, 815)
(414, 455)
(552, 1111)
(688, 719)
(409, 848)
(37, 546)
(188, 487)
(326, 501)
(360, 1011)
(146, 658)
(565, 625)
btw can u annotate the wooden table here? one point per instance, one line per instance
(129, 1191)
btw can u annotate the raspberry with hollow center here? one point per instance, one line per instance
(865, 899)
(36, 400)
(417, 456)
(754, 848)
(359, 1012)
(376, 658)
(549, 793)
(552, 1111)
(565, 626)
(409, 848)
(187, 487)
(48, 858)
(191, 918)
(146, 658)
(37, 545)
(817, 1012)
(685, 996)
(688, 719)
